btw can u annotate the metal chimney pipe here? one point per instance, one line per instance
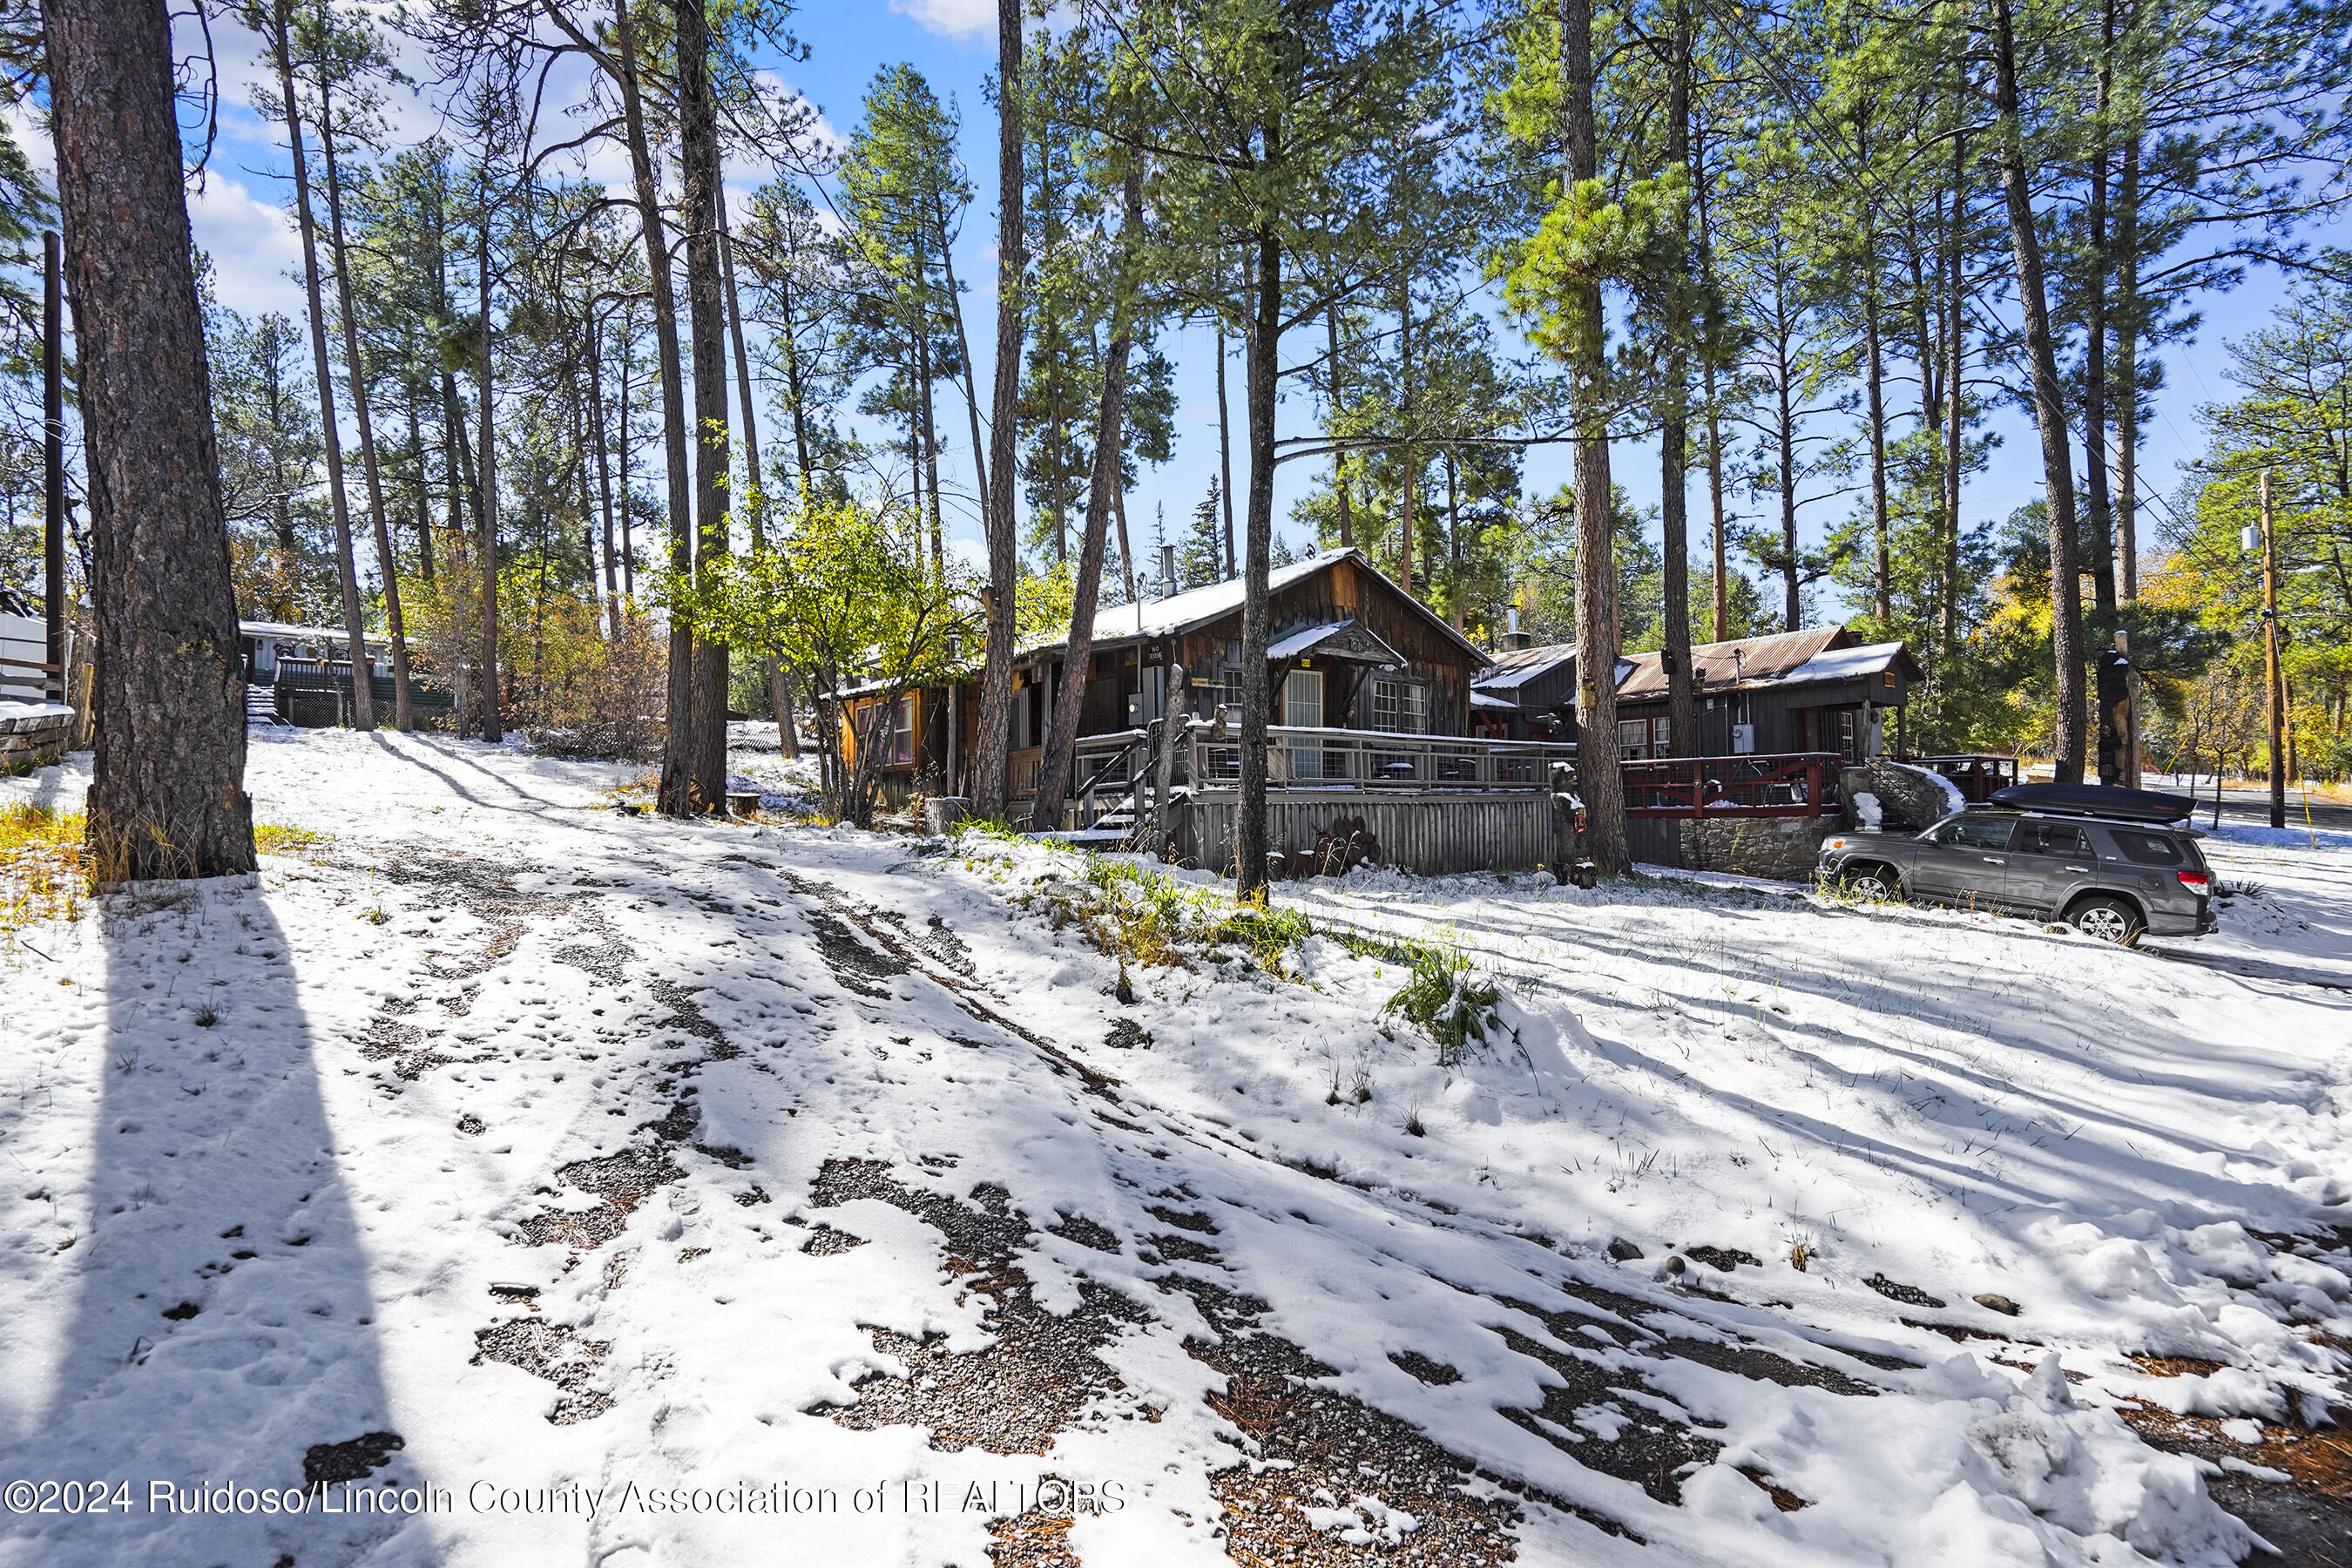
(1166, 571)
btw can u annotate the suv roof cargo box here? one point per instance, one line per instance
(2096, 800)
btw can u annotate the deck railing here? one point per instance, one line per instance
(1785, 784)
(1975, 774)
(1301, 758)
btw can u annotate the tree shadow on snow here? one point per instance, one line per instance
(221, 1332)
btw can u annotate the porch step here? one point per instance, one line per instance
(261, 706)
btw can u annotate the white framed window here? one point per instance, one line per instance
(1633, 740)
(1400, 707)
(902, 729)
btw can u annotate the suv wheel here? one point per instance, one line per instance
(2109, 920)
(1877, 883)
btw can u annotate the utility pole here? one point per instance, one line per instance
(2272, 696)
(53, 457)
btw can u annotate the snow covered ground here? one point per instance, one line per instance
(621, 1190)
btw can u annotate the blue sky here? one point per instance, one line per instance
(953, 43)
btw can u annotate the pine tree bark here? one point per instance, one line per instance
(1948, 625)
(1408, 492)
(755, 501)
(1225, 461)
(1599, 779)
(167, 795)
(989, 779)
(1674, 434)
(2127, 329)
(403, 708)
(486, 494)
(697, 114)
(1338, 458)
(604, 474)
(2067, 648)
(676, 795)
(1062, 733)
(339, 503)
(1258, 397)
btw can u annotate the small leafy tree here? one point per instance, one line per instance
(830, 594)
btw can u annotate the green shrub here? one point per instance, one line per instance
(1455, 1007)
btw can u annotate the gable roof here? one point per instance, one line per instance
(1196, 607)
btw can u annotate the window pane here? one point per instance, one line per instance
(2147, 849)
(1632, 739)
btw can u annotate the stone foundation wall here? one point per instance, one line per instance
(1786, 848)
(33, 740)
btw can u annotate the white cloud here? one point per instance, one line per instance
(253, 248)
(955, 18)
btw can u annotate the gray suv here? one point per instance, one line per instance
(2111, 880)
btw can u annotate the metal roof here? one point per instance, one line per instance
(1810, 656)
(279, 629)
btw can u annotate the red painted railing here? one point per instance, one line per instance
(1789, 783)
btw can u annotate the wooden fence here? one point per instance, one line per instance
(1430, 833)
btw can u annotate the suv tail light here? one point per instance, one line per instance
(2196, 881)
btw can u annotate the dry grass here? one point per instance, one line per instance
(43, 874)
(46, 868)
(277, 839)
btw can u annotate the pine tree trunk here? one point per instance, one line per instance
(1673, 435)
(1406, 495)
(1599, 779)
(676, 796)
(1338, 458)
(1062, 733)
(403, 710)
(1258, 396)
(707, 319)
(2049, 411)
(1955, 343)
(167, 795)
(1224, 460)
(755, 501)
(2126, 329)
(995, 719)
(604, 474)
(346, 569)
(486, 498)
(971, 376)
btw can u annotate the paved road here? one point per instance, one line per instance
(2254, 805)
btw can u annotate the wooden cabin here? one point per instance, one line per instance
(1817, 690)
(1347, 649)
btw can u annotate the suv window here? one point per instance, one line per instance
(2147, 849)
(2053, 839)
(1976, 832)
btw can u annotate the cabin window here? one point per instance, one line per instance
(1024, 726)
(1632, 739)
(1400, 707)
(902, 729)
(1846, 746)
(1302, 706)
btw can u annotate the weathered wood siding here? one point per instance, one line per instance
(1430, 833)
